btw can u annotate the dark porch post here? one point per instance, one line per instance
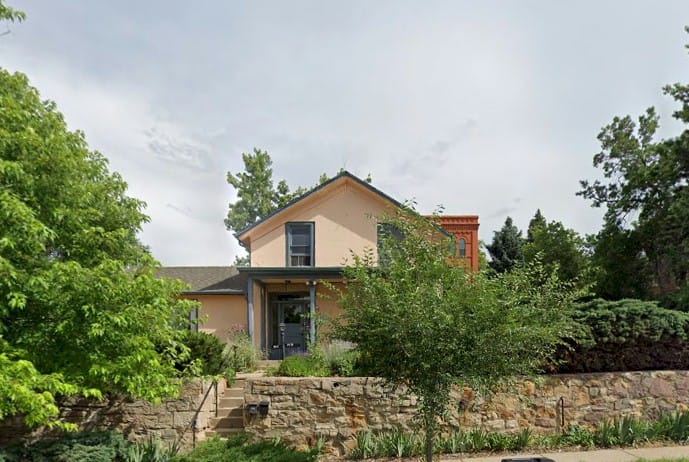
(250, 308)
(312, 312)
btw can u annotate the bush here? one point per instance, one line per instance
(627, 335)
(341, 357)
(106, 446)
(238, 448)
(620, 431)
(312, 365)
(206, 349)
(243, 353)
(151, 450)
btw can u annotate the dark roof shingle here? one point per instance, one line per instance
(207, 279)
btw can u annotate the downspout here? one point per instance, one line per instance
(263, 316)
(312, 312)
(250, 308)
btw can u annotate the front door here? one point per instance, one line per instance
(289, 325)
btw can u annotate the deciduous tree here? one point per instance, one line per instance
(558, 248)
(80, 308)
(424, 324)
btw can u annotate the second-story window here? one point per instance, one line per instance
(299, 244)
(462, 248)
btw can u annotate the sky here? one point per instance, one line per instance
(481, 107)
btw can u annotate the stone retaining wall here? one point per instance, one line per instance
(136, 419)
(304, 409)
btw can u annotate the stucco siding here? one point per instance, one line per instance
(220, 313)
(344, 221)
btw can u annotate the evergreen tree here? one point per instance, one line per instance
(505, 250)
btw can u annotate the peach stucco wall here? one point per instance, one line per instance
(219, 313)
(344, 221)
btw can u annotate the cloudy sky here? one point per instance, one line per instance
(486, 107)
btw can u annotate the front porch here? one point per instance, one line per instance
(283, 306)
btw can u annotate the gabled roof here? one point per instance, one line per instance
(207, 279)
(320, 187)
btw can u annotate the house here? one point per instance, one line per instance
(292, 251)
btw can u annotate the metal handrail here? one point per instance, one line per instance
(194, 421)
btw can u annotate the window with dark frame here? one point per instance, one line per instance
(385, 231)
(299, 244)
(462, 248)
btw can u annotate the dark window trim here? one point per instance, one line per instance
(312, 225)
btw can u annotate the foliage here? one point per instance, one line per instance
(645, 194)
(80, 307)
(621, 266)
(106, 446)
(627, 335)
(10, 14)
(560, 249)
(151, 450)
(620, 431)
(257, 196)
(238, 448)
(396, 443)
(310, 365)
(243, 352)
(424, 324)
(207, 355)
(341, 357)
(505, 249)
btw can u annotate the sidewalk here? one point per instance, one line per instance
(604, 455)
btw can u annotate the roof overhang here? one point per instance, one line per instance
(324, 272)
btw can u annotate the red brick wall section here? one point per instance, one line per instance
(462, 227)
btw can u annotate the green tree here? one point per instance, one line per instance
(538, 221)
(620, 269)
(80, 308)
(10, 14)
(645, 194)
(426, 325)
(558, 248)
(506, 249)
(257, 195)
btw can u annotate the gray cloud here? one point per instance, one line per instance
(466, 104)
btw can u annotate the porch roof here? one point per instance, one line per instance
(319, 272)
(207, 280)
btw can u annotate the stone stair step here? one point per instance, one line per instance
(234, 393)
(219, 423)
(230, 411)
(230, 402)
(223, 432)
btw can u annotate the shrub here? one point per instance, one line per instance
(312, 365)
(243, 353)
(627, 335)
(151, 450)
(238, 448)
(207, 350)
(341, 357)
(106, 446)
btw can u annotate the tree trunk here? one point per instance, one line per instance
(429, 444)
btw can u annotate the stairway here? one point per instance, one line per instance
(230, 415)
(229, 418)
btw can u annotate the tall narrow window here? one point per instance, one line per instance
(389, 232)
(462, 248)
(299, 244)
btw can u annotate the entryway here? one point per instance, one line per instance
(288, 324)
